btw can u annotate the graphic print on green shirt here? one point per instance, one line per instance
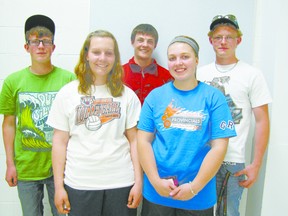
(34, 110)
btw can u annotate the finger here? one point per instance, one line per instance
(239, 173)
(11, 182)
(245, 183)
(66, 206)
(15, 181)
(174, 192)
(130, 199)
(132, 204)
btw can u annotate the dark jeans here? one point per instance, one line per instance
(112, 202)
(151, 209)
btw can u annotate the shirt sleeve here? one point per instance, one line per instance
(8, 99)
(222, 125)
(58, 117)
(133, 109)
(146, 121)
(259, 93)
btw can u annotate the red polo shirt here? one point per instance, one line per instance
(143, 81)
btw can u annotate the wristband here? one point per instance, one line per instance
(194, 194)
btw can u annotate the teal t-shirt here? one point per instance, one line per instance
(184, 123)
(29, 97)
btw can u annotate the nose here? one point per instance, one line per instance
(224, 39)
(145, 43)
(41, 44)
(179, 61)
(102, 56)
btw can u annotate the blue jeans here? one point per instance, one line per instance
(31, 194)
(230, 200)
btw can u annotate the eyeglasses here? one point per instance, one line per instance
(220, 38)
(229, 17)
(36, 42)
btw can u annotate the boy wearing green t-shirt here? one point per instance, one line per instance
(25, 101)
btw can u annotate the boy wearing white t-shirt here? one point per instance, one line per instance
(246, 93)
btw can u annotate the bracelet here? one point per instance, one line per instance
(194, 194)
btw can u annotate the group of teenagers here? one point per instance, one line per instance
(110, 137)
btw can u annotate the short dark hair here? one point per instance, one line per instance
(145, 29)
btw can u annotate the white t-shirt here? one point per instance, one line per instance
(245, 88)
(98, 152)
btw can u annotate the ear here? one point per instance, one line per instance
(239, 39)
(26, 47)
(210, 40)
(54, 46)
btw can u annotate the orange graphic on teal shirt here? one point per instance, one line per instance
(169, 112)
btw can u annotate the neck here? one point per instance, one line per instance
(226, 61)
(100, 80)
(143, 62)
(185, 85)
(41, 69)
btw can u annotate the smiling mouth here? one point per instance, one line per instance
(102, 66)
(144, 50)
(180, 70)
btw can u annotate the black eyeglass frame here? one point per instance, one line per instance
(37, 42)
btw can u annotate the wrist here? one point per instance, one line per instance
(10, 163)
(194, 192)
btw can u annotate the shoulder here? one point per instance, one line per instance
(69, 88)
(164, 73)
(248, 67)
(161, 90)
(204, 72)
(209, 90)
(206, 67)
(130, 61)
(128, 92)
(17, 74)
(63, 72)
(162, 69)
(130, 95)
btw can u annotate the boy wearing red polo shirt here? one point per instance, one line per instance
(142, 73)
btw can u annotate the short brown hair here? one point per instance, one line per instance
(145, 29)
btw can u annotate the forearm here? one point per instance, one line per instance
(58, 163)
(261, 136)
(261, 142)
(146, 156)
(59, 150)
(138, 172)
(210, 164)
(9, 130)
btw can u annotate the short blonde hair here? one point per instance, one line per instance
(211, 32)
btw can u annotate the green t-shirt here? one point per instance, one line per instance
(29, 97)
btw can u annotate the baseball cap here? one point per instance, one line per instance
(39, 20)
(224, 19)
